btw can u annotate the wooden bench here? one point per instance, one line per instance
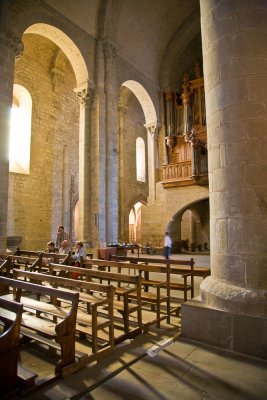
(157, 298)
(180, 265)
(25, 262)
(125, 308)
(5, 267)
(43, 258)
(88, 323)
(177, 267)
(10, 320)
(59, 335)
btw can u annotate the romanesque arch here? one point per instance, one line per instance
(189, 227)
(68, 47)
(133, 94)
(59, 93)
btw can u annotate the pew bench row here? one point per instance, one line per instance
(85, 306)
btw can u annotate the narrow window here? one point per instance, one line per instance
(140, 160)
(20, 131)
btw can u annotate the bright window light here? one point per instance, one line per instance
(20, 131)
(140, 160)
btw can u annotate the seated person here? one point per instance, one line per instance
(80, 252)
(49, 249)
(76, 258)
(64, 248)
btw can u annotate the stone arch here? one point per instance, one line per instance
(128, 88)
(137, 217)
(138, 199)
(200, 230)
(66, 50)
(144, 99)
(67, 46)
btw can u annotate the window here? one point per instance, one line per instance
(20, 131)
(140, 160)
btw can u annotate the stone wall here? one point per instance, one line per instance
(159, 216)
(133, 189)
(35, 200)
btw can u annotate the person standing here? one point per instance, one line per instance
(61, 236)
(167, 245)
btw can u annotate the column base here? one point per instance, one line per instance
(237, 332)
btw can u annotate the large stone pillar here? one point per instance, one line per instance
(112, 177)
(10, 49)
(85, 97)
(232, 310)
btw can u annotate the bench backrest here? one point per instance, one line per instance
(63, 282)
(149, 260)
(65, 258)
(27, 261)
(122, 265)
(88, 274)
(39, 289)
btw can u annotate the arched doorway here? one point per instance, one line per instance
(189, 228)
(135, 233)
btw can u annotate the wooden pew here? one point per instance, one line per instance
(157, 298)
(25, 262)
(43, 256)
(10, 319)
(177, 267)
(5, 267)
(182, 266)
(124, 307)
(86, 324)
(59, 335)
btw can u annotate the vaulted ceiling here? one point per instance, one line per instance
(161, 38)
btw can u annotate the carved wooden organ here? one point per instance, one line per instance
(186, 135)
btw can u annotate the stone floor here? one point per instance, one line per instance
(182, 370)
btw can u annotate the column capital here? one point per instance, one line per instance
(151, 128)
(7, 39)
(85, 94)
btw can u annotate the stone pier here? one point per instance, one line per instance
(231, 311)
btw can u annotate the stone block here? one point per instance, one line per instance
(250, 335)
(206, 325)
(241, 333)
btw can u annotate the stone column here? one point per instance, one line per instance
(152, 138)
(72, 208)
(122, 109)
(10, 49)
(85, 97)
(112, 177)
(233, 303)
(65, 219)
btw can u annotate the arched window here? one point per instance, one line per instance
(20, 131)
(140, 160)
